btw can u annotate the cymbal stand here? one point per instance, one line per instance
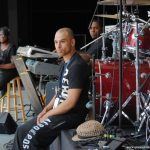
(146, 111)
(103, 47)
(115, 38)
(93, 88)
(123, 113)
(126, 31)
(125, 103)
(135, 18)
(148, 129)
(107, 104)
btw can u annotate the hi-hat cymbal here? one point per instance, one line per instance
(115, 16)
(124, 2)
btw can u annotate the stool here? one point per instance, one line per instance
(16, 95)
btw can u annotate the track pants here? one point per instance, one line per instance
(31, 136)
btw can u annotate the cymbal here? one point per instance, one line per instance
(115, 16)
(124, 2)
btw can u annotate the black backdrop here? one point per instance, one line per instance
(39, 20)
(45, 17)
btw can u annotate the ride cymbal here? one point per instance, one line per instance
(115, 16)
(124, 2)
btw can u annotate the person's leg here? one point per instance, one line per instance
(5, 77)
(21, 133)
(42, 135)
(2, 84)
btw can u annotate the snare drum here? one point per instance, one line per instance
(107, 82)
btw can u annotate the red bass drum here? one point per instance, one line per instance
(107, 82)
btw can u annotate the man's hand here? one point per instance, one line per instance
(44, 117)
(41, 115)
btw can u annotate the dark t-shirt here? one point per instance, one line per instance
(74, 75)
(5, 56)
(95, 49)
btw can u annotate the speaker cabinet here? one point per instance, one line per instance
(51, 89)
(7, 123)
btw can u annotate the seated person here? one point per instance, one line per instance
(67, 109)
(7, 68)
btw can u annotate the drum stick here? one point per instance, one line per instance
(101, 35)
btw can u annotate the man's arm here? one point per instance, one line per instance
(7, 66)
(47, 108)
(65, 106)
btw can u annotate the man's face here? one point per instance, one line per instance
(95, 30)
(63, 43)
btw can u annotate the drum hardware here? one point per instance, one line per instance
(107, 105)
(123, 113)
(148, 130)
(93, 88)
(101, 36)
(107, 75)
(143, 117)
(104, 49)
(148, 12)
(137, 70)
(115, 44)
(137, 47)
(145, 106)
(110, 85)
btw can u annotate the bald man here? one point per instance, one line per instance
(67, 108)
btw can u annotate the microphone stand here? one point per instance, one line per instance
(93, 88)
(93, 16)
(137, 72)
(120, 67)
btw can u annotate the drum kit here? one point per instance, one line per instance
(136, 73)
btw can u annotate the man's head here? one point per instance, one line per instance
(64, 42)
(95, 29)
(4, 34)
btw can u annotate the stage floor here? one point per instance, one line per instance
(130, 142)
(6, 138)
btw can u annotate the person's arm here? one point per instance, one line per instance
(7, 66)
(10, 65)
(47, 108)
(86, 57)
(65, 106)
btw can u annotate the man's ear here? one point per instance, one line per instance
(73, 42)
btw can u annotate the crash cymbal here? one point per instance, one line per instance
(115, 16)
(138, 2)
(106, 2)
(124, 2)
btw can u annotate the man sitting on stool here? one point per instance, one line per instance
(67, 108)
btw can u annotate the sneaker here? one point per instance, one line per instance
(9, 145)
